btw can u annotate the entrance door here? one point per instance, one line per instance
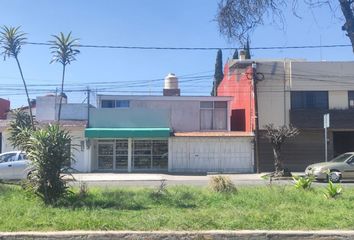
(105, 155)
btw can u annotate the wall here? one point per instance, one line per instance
(129, 118)
(183, 115)
(4, 108)
(73, 111)
(81, 162)
(238, 84)
(45, 106)
(210, 154)
(273, 98)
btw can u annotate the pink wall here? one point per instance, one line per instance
(238, 84)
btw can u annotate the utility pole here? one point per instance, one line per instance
(256, 137)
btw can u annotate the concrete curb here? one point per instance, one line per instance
(240, 235)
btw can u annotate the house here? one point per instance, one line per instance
(296, 92)
(45, 110)
(169, 133)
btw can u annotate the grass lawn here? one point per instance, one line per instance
(181, 208)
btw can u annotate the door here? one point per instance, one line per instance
(105, 155)
(349, 169)
(6, 163)
(19, 166)
(121, 155)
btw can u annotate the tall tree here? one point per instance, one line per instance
(64, 51)
(12, 39)
(219, 74)
(238, 18)
(247, 50)
(235, 56)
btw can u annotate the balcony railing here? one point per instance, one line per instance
(313, 118)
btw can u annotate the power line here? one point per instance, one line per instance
(195, 48)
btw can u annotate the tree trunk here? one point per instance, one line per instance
(61, 93)
(349, 20)
(278, 164)
(28, 98)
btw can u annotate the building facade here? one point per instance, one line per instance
(296, 92)
(166, 134)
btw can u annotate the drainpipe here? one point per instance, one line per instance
(256, 139)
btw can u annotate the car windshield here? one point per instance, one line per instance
(342, 158)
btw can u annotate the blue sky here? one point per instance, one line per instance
(162, 23)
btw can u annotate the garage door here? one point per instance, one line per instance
(211, 154)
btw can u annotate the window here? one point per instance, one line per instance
(351, 99)
(213, 115)
(150, 154)
(309, 100)
(9, 157)
(122, 104)
(115, 103)
(107, 104)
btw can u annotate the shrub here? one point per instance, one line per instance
(332, 190)
(161, 190)
(222, 184)
(303, 182)
(49, 150)
(83, 190)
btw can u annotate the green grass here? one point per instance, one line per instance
(181, 208)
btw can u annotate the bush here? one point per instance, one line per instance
(303, 182)
(332, 190)
(49, 150)
(222, 184)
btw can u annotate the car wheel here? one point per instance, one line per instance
(334, 176)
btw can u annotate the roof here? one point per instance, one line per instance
(214, 134)
(164, 98)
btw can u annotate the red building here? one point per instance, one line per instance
(237, 83)
(4, 108)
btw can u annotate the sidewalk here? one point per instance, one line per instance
(92, 177)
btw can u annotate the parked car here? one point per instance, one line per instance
(341, 167)
(14, 165)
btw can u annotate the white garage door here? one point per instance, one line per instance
(211, 154)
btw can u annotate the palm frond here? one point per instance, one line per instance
(63, 48)
(11, 39)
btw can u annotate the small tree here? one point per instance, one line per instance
(277, 136)
(64, 52)
(219, 74)
(49, 150)
(12, 40)
(20, 129)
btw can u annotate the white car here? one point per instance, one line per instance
(14, 165)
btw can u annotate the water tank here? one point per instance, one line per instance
(171, 81)
(171, 85)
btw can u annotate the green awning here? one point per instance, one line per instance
(127, 132)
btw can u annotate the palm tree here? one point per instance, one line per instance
(64, 52)
(12, 39)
